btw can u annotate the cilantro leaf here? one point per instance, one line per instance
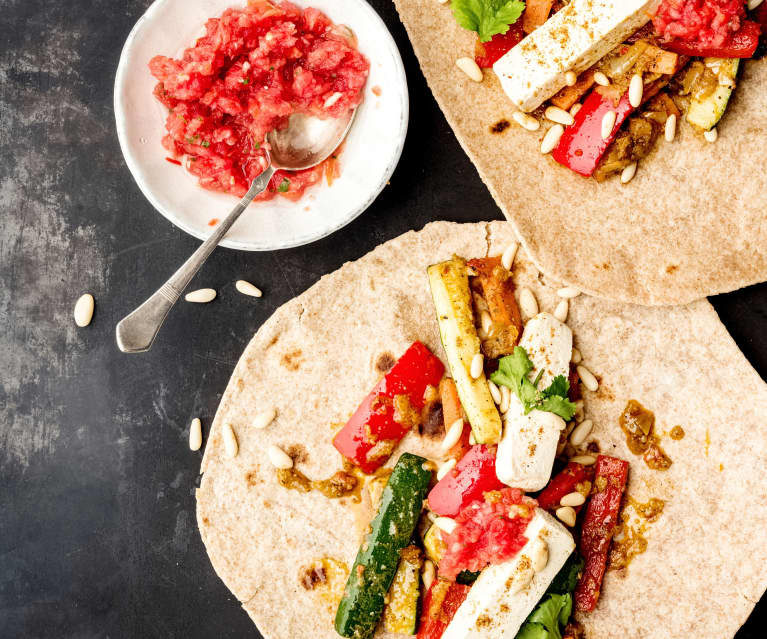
(513, 372)
(567, 577)
(284, 186)
(487, 17)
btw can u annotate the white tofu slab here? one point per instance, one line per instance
(492, 610)
(528, 443)
(573, 39)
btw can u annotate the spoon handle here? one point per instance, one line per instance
(136, 332)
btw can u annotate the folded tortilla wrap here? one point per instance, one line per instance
(316, 358)
(692, 223)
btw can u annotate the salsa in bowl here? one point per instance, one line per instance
(200, 84)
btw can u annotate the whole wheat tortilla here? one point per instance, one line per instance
(315, 360)
(692, 223)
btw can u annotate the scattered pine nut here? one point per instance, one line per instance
(608, 124)
(629, 172)
(552, 138)
(753, 4)
(446, 468)
(505, 400)
(84, 310)
(581, 432)
(201, 296)
(568, 292)
(453, 435)
(507, 259)
(636, 90)
(279, 458)
(195, 434)
(470, 68)
(264, 418)
(477, 364)
(571, 78)
(573, 500)
(601, 79)
(527, 302)
(231, 447)
(495, 392)
(560, 312)
(711, 135)
(575, 108)
(587, 377)
(246, 288)
(560, 116)
(576, 357)
(486, 321)
(526, 121)
(670, 131)
(584, 460)
(566, 514)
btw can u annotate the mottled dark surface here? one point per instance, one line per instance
(97, 527)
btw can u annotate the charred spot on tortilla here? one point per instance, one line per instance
(252, 478)
(385, 362)
(292, 360)
(298, 453)
(312, 576)
(500, 126)
(671, 268)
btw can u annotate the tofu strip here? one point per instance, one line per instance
(573, 39)
(529, 442)
(505, 594)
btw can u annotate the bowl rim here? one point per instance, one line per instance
(120, 85)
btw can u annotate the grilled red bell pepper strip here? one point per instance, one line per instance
(566, 482)
(439, 607)
(473, 476)
(599, 524)
(384, 417)
(582, 146)
(742, 44)
(486, 54)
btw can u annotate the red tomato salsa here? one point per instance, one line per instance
(705, 23)
(253, 68)
(489, 531)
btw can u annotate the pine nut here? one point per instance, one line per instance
(246, 288)
(601, 79)
(579, 413)
(505, 400)
(560, 116)
(636, 90)
(264, 418)
(279, 458)
(494, 391)
(551, 139)
(587, 377)
(539, 555)
(575, 108)
(445, 523)
(526, 121)
(581, 432)
(195, 434)
(507, 259)
(84, 310)
(453, 435)
(584, 460)
(470, 68)
(231, 447)
(629, 172)
(670, 131)
(608, 124)
(753, 4)
(428, 573)
(477, 364)
(576, 357)
(527, 302)
(568, 292)
(571, 78)
(201, 296)
(566, 514)
(711, 135)
(445, 469)
(560, 312)
(486, 321)
(573, 500)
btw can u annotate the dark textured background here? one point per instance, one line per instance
(97, 528)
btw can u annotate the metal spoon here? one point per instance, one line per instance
(304, 143)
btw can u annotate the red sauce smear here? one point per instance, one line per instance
(253, 68)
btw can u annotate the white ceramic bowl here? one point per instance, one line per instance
(371, 153)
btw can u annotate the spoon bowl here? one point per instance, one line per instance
(305, 142)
